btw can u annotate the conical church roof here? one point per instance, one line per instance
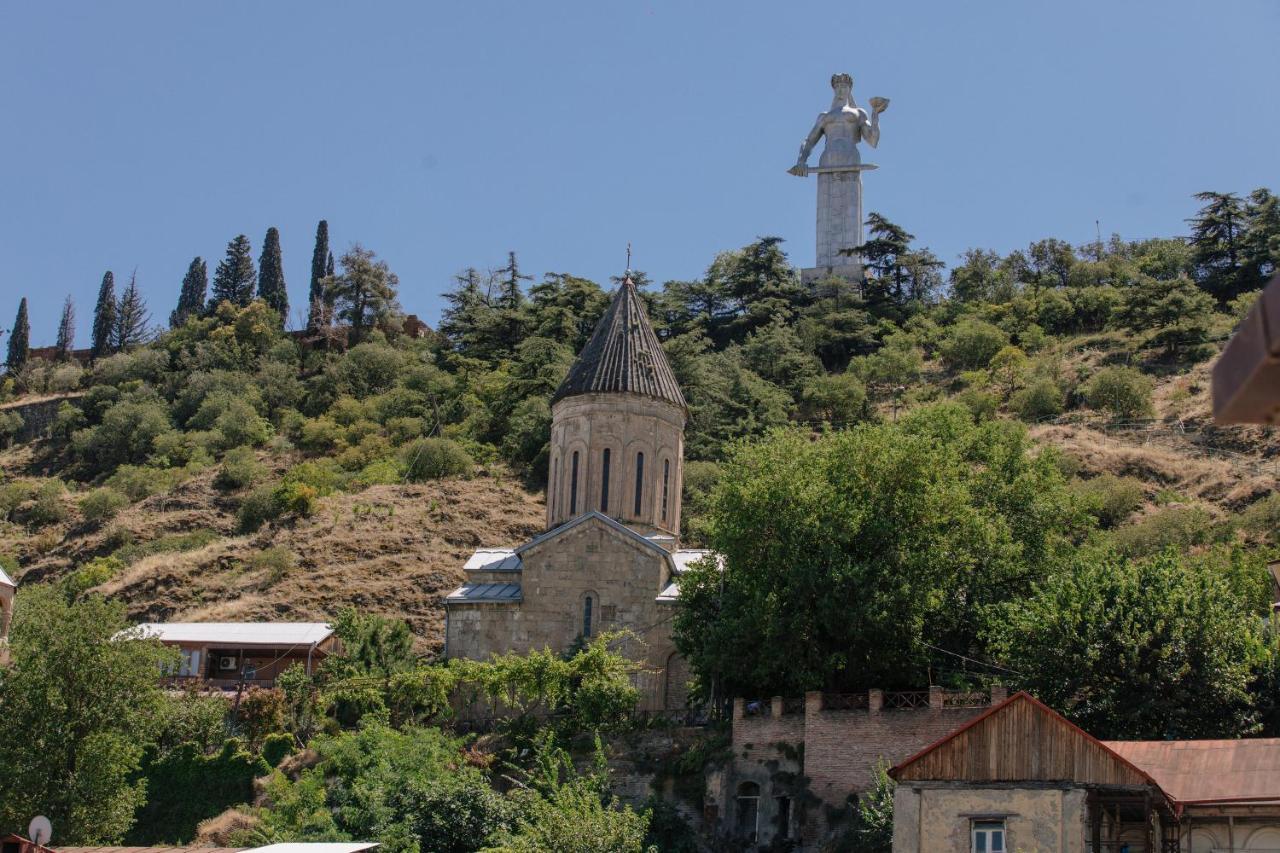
(623, 355)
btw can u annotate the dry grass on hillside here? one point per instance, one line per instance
(392, 550)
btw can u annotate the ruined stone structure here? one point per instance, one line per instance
(610, 559)
(796, 762)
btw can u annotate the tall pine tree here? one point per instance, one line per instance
(194, 286)
(316, 295)
(271, 286)
(66, 330)
(132, 319)
(104, 316)
(1216, 237)
(19, 339)
(235, 277)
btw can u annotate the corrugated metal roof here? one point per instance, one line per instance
(1199, 770)
(686, 557)
(493, 560)
(240, 633)
(623, 355)
(477, 592)
(6, 580)
(318, 847)
(671, 593)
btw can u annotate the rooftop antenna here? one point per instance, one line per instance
(1097, 227)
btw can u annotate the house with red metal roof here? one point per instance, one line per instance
(1022, 777)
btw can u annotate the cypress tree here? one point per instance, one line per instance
(235, 277)
(328, 271)
(132, 318)
(19, 339)
(104, 316)
(318, 273)
(66, 330)
(191, 299)
(271, 286)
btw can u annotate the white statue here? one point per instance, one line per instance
(840, 176)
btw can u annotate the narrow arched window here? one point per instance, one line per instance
(604, 482)
(573, 486)
(586, 616)
(639, 481)
(666, 481)
(554, 497)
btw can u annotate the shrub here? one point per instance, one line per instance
(972, 343)
(298, 498)
(1041, 399)
(1122, 391)
(1179, 526)
(369, 368)
(101, 505)
(320, 476)
(370, 448)
(837, 398)
(382, 472)
(319, 434)
(13, 495)
(1109, 498)
(400, 430)
(261, 714)
(1262, 518)
(137, 482)
(981, 404)
(146, 364)
(10, 425)
(274, 562)
(240, 468)
(234, 418)
(132, 551)
(93, 573)
(68, 419)
(48, 507)
(276, 747)
(435, 459)
(126, 434)
(259, 507)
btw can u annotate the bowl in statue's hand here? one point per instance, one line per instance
(879, 104)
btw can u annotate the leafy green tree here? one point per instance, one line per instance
(465, 318)
(1260, 252)
(901, 275)
(566, 308)
(271, 286)
(316, 296)
(133, 321)
(185, 786)
(845, 555)
(971, 343)
(104, 316)
(1216, 241)
(838, 399)
(981, 277)
(235, 277)
(776, 354)
(835, 324)
(872, 829)
(1175, 316)
(66, 341)
(371, 644)
(19, 340)
(1124, 663)
(365, 293)
(192, 297)
(76, 705)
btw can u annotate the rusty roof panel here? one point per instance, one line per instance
(1209, 770)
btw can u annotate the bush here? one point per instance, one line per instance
(369, 449)
(260, 506)
(400, 430)
(319, 434)
(972, 343)
(93, 573)
(1109, 499)
(13, 495)
(1262, 518)
(837, 399)
(435, 459)
(277, 747)
(68, 419)
(102, 504)
(132, 551)
(126, 434)
(1181, 527)
(320, 476)
(382, 472)
(368, 369)
(146, 364)
(240, 468)
(137, 482)
(10, 425)
(1122, 391)
(261, 714)
(48, 507)
(981, 404)
(274, 562)
(1041, 399)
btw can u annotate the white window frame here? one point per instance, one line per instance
(990, 829)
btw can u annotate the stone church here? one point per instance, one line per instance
(610, 559)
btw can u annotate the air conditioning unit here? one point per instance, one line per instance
(228, 662)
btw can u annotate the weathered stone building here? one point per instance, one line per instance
(797, 763)
(610, 559)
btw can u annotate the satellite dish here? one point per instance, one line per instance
(40, 831)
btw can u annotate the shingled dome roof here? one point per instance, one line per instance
(623, 355)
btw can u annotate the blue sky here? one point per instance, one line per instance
(139, 134)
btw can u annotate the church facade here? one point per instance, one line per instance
(610, 559)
